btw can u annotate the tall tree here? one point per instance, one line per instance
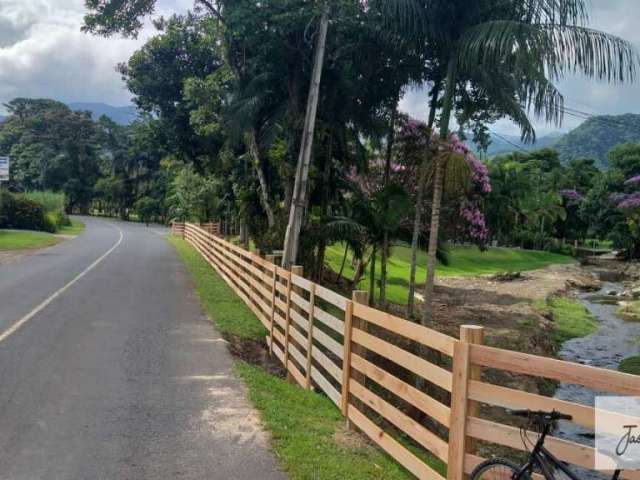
(525, 44)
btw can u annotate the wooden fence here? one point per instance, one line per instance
(367, 361)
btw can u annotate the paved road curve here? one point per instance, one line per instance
(120, 376)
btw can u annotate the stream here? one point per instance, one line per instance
(614, 340)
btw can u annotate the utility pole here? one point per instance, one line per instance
(299, 200)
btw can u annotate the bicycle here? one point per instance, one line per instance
(540, 458)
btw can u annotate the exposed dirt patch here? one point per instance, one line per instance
(11, 256)
(255, 352)
(504, 305)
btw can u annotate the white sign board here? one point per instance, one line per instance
(617, 433)
(4, 169)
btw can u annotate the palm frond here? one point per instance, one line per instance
(563, 12)
(407, 16)
(559, 49)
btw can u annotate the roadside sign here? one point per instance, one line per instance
(4, 169)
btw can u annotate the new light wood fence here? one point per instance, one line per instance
(370, 364)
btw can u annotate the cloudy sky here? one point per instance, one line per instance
(44, 54)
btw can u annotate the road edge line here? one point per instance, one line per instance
(16, 326)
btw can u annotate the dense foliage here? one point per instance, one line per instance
(539, 202)
(222, 92)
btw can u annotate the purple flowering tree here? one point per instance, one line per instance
(629, 203)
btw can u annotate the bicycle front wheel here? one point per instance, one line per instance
(497, 469)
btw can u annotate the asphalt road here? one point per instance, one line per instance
(110, 370)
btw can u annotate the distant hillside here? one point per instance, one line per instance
(508, 143)
(120, 115)
(597, 136)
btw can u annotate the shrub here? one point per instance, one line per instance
(50, 222)
(22, 213)
(50, 201)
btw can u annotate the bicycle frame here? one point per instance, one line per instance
(547, 462)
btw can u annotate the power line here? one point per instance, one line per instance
(508, 141)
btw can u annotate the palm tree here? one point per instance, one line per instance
(522, 44)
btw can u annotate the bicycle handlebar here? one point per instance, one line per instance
(548, 416)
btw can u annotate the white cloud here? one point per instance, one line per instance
(43, 53)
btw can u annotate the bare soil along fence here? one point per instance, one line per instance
(367, 362)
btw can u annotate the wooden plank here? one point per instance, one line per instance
(278, 353)
(327, 342)
(332, 297)
(434, 374)
(334, 370)
(459, 404)
(599, 379)
(406, 424)
(282, 305)
(516, 399)
(296, 374)
(300, 339)
(325, 386)
(403, 456)
(279, 320)
(299, 301)
(411, 330)
(408, 393)
(329, 320)
(509, 436)
(297, 355)
(346, 363)
(299, 320)
(300, 281)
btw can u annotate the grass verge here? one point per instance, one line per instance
(306, 429)
(571, 319)
(630, 365)
(464, 261)
(23, 240)
(231, 315)
(76, 228)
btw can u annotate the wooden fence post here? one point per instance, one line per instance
(346, 361)
(361, 297)
(460, 403)
(311, 317)
(271, 259)
(295, 270)
(472, 334)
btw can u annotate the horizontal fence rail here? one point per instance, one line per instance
(413, 391)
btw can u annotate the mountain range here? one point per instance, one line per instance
(594, 138)
(501, 144)
(120, 115)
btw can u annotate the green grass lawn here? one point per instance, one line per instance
(571, 319)
(75, 228)
(227, 310)
(464, 261)
(630, 365)
(305, 428)
(22, 240)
